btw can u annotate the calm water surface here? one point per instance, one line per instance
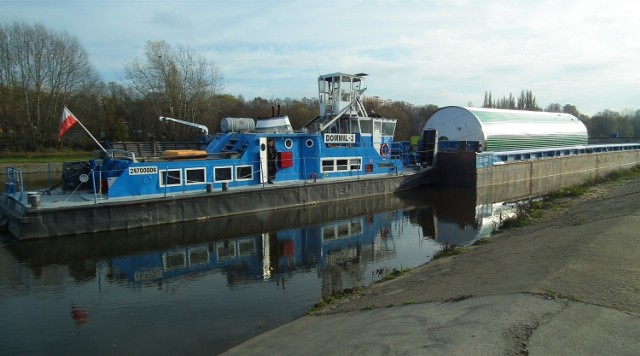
(200, 288)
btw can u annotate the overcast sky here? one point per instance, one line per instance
(580, 52)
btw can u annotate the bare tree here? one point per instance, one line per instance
(178, 82)
(38, 70)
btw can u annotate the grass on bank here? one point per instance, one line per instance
(330, 299)
(44, 157)
(393, 275)
(449, 250)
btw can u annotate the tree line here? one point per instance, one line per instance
(43, 70)
(604, 124)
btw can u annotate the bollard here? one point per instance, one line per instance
(34, 200)
(225, 187)
(209, 188)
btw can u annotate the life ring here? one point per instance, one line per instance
(384, 150)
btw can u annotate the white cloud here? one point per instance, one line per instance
(424, 52)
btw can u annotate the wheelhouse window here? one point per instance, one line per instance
(244, 172)
(222, 174)
(365, 126)
(196, 175)
(354, 128)
(170, 177)
(388, 128)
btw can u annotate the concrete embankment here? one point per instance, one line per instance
(510, 180)
(567, 284)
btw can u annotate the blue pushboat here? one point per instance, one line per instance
(342, 153)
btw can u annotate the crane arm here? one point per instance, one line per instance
(204, 129)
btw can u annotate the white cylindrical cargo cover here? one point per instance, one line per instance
(237, 124)
(277, 124)
(507, 130)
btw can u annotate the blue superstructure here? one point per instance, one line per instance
(342, 142)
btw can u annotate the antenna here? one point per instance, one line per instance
(314, 62)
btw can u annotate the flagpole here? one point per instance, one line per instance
(90, 135)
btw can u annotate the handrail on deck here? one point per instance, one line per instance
(14, 181)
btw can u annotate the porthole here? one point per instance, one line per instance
(288, 143)
(309, 143)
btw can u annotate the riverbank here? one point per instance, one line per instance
(567, 283)
(39, 162)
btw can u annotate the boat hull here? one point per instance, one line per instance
(25, 222)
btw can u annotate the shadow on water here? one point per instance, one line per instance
(219, 281)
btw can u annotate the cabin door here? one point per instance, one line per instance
(264, 164)
(377, 134)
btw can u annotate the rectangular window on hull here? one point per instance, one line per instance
(341, 164)
(170, 178)
(355, 164)
(244, 172)
(222, 174)
(327, 165)
(195, 175)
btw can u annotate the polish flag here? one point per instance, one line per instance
(66, 122)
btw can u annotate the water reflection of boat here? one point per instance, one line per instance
(458, 216)
(348, 242)
(254, 247)
(335, 238)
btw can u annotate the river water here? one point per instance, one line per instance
(200, 288)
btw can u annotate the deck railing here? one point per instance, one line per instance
(486, 159)
(14, 183)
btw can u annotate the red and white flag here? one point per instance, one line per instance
(67, 121)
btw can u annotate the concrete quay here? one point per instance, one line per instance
(567, 284)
